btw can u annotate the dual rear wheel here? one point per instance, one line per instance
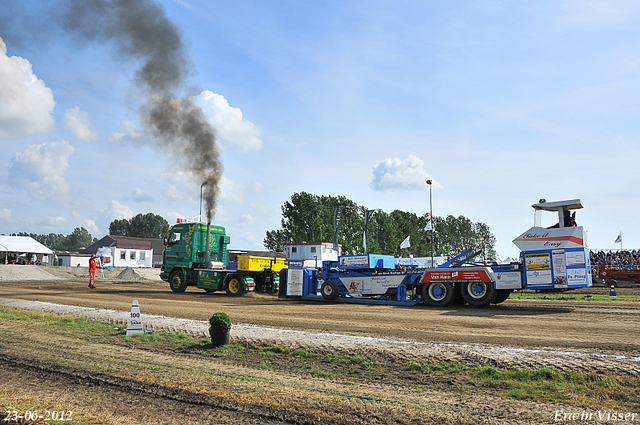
(442, 294)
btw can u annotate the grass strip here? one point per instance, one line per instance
(538, 385)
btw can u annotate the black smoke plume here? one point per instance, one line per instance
(141, 29)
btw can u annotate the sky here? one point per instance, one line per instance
(500, 103)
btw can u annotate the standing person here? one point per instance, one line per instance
(92, 271)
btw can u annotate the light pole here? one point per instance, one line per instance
(431, 218)
(201, 186)
(484, 255)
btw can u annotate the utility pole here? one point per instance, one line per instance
(429, 182)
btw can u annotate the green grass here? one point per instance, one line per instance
(543, 384)
(569, 296)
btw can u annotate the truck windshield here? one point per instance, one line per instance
(174, 238)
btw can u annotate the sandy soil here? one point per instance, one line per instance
(578, 335)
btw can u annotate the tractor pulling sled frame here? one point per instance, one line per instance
(552, 259)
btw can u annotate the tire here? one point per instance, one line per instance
(282, 289)
(234, 286)
(438, 294)
(502, 295)
(329, 290)
(478, 293)
(177, 282)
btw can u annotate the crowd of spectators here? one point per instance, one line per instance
(616, 258)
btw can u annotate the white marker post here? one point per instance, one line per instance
(135, 321)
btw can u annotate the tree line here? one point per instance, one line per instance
(148, 225)
(309, 218)
(79, 239)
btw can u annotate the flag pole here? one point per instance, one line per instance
(431, 218)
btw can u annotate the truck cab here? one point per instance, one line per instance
(195, 254)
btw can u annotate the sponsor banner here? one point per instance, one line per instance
(539, 277)
(374, 285)
(537, 238)
(294, 282)
(538, 261)
(295, 264)
(508, 280)
(577, 276)
(559, 269)
(355, 261)
(433, 276)
(575, 258)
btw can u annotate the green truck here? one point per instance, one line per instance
(186, 261)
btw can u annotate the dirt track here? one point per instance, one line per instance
(578, 335)
(608, 328)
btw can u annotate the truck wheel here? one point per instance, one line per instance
(234, 285)
(502, 295)
(329, 290)
(177, 281)
(478, 293)
(438, 294)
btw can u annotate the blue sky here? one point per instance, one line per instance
(501, 103)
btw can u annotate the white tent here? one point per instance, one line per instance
(16, 245)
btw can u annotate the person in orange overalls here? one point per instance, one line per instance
(92, 271)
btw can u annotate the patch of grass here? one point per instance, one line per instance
(319, 373)
(275, 349)
(436, 368)
(569, 296)
(488, 372)
(543, 384)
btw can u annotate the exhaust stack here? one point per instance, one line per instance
(206, 257)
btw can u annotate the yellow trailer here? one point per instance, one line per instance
(255, 264)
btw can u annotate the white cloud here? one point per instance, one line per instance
(5, 214)
(399, 174)
(54, 222)
(90, 225)
(232, 131)
(40, 170)
(232, 191)
(172, 216)
(173, 193)
(130, 135)
(80, 125)
(139, 196)
(121, 211)
(246, 220)
(25, 102)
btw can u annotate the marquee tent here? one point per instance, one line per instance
(13, 246)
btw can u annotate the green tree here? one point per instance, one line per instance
(119, 227)
(148, 225)
(51, 240)
(276, 240)
(79, 239)
(309, 218)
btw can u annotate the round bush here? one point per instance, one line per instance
(220, 322)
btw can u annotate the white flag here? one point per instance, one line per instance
(429, 226)
(405, 243)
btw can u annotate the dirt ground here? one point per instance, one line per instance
(578, 335)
